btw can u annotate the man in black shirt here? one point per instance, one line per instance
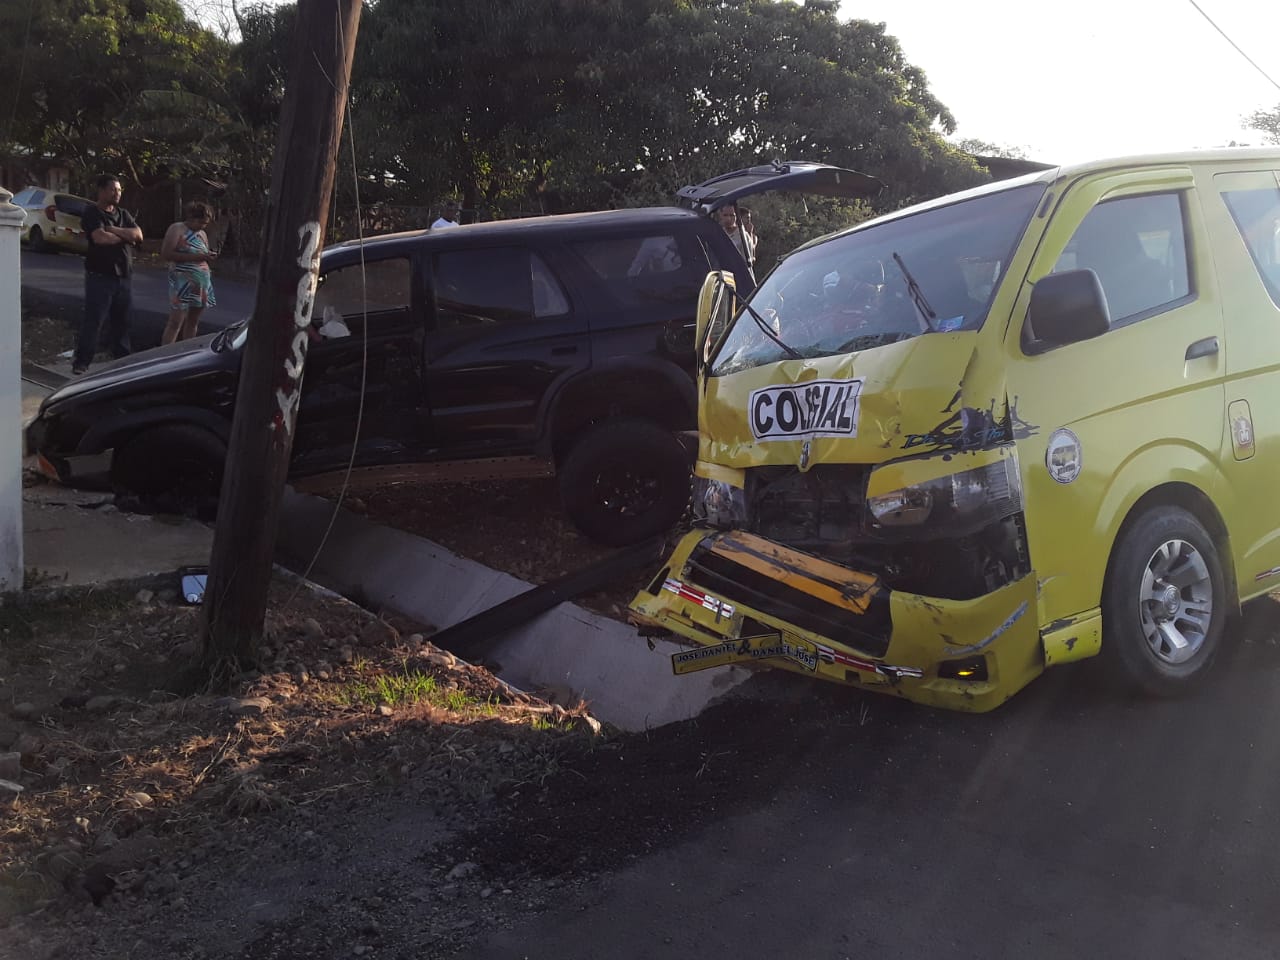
(112, 234)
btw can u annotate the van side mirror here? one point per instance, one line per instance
(717, 304)
(1068, 307)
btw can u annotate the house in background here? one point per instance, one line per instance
(52, 173)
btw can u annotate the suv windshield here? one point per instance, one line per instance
(852, 293)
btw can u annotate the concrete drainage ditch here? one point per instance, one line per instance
(568, 650)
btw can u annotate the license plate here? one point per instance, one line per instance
(769, 646)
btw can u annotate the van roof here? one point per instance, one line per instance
(1225, 156)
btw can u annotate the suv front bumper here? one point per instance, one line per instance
(744, 599)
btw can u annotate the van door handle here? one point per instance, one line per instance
(563, 351)
(1207, 347)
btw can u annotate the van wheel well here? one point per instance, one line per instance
(583, 406)
(1195, 502)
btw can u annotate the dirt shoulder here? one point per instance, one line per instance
(364, 794)
(48, 328)
(139, 810)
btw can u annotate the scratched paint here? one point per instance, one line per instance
(999, 631)
(289, 389)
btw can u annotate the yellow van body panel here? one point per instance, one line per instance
(999, 629)
(1177, 405)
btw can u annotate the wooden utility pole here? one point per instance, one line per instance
(235, 600)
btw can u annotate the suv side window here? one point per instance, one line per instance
(479, 287)
(383, 288)
(29, 197)
(548, 293)
(641, 268)
(1138, 248)
(1257, 217)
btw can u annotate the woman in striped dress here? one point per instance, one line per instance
(186, 247)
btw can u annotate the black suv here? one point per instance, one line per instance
(558, 345)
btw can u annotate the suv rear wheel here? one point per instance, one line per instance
(35, 241)
(175, 466)
(625, 480)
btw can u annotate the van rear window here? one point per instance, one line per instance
(1257, 216)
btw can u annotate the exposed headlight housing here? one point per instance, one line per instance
(719, 504)
(969, 499)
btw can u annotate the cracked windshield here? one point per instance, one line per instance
(855, 292)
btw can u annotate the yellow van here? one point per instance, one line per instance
(999, 431)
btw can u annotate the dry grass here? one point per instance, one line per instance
(160, 762)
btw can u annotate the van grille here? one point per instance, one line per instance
(819, 511)
(867, 632)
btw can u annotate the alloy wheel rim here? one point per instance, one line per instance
(1175, 602)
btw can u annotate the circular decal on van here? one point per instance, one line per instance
(1062, 456)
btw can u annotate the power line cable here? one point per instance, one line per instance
(1234, 44)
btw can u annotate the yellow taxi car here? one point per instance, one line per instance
(53, 220)
(1000, 431)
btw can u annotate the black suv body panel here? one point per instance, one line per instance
(566, 341)
(435, 389)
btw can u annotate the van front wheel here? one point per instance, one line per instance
(1164, 603)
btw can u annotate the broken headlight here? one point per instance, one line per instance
(718, 503)
(969, 499)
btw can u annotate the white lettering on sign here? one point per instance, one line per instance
(819, 408)
(289, 391)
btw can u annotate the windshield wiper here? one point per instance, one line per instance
(763, 324)
(917, 295)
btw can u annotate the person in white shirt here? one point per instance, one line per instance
(450, 216)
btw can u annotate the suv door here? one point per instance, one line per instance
(384, 297)
(504, 334)
(646, 282)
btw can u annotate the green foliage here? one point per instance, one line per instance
(528, 105)
(522, 106)
(407, 688)
(1267, 121)
(80, 73)
(985, 148)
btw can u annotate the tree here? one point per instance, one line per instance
(985, 148)
(566, 104)
(82, 70)
(1268, 121)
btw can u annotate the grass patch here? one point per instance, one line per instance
(406, 689)
(24, 617)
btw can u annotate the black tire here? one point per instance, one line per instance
(174, 466)
(625, 480)
(1141, 614)
(35, 240)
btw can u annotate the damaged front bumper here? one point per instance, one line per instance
(744, 599)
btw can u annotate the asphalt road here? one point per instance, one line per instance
(59, 279)
(1072, 822)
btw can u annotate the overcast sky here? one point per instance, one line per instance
(1095, 78)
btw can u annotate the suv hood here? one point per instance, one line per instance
(819, 179)
(919, 396)
(176, 361)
